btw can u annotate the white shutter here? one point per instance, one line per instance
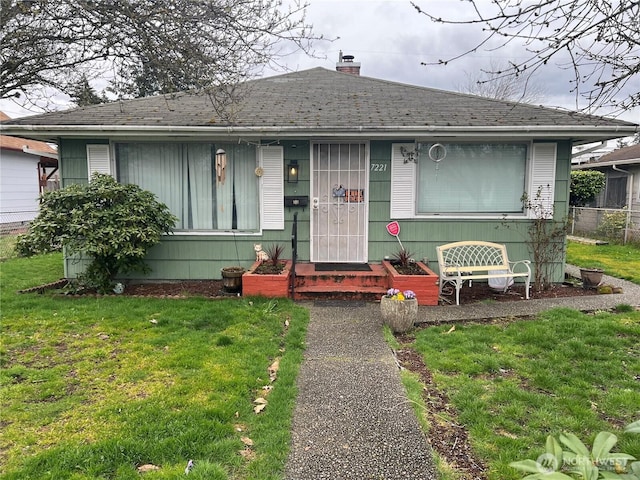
(403, 183)
(543, 178)
(98, 159)
(272, 162)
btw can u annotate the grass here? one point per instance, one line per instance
(94, 387)
(514, 383)
(7, 246)
(621, 261)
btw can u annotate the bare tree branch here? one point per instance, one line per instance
(600, 37)
(142, 47)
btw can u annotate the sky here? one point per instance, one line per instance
(390, 40)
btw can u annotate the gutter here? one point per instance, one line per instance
(581, 134)
(38, 153)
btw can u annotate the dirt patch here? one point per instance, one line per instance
(447, 437)
(476, 293)
(479, 292)
(204, 288)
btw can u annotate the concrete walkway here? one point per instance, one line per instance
(352, 419)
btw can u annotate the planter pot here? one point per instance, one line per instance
(266, 285)
(425, 286)
(591, 277)
(232, 279)
(400, 315)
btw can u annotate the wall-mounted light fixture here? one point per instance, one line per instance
(293, 171)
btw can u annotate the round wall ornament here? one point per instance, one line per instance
(259, 172)
(437, 152)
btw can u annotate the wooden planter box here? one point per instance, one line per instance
(425, 286)
(266, 285)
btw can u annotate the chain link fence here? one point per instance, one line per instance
(609, 224)
(11, 225)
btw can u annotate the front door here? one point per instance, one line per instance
(339, 213)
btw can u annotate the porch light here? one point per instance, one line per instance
(292, 171)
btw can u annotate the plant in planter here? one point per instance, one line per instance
(272, 264)
(399, 309)
(269, 275)
(407, 274)
(405, 264)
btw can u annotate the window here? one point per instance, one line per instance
(184, 176)
(473, 179)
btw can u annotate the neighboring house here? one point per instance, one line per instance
(622, 188)
(345, 152)
(26, 169)
(622, 171)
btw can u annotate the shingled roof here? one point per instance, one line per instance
(318, 101)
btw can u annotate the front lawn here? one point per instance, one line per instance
(513, 383)
(621, 261)
(96, 387)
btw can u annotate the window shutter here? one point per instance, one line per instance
(543, 178)
(272, 162)
(403, 183)
(98, 159)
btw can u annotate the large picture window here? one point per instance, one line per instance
(473, 178)
(202, 194)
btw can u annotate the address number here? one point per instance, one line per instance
(378, 167)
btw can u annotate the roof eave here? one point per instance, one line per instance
(580, 134)
(610, 163)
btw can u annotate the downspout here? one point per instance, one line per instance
(629, 198)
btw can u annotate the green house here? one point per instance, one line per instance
(346, 153)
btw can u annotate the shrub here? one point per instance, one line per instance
(612, 225)
(111, 223)
(585, 186)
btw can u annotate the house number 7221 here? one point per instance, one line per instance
(378, 167)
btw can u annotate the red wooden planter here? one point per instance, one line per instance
(266, 285)
(424, 286)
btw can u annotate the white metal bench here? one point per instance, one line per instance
(470, 260)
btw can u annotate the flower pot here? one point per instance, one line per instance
(400, 315)
(232, 279)
(591, 277)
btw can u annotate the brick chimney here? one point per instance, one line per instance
(347, 65)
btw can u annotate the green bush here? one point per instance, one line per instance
(585, 186)
(111, 223)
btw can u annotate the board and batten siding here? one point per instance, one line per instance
(201, 256)
(198, 256)
(420, 236)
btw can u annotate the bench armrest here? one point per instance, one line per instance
(526, 264)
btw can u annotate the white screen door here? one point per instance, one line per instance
(339, 211)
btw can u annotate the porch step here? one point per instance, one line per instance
(356, 285)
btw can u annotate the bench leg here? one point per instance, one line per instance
(458, 287)
(526, 288)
